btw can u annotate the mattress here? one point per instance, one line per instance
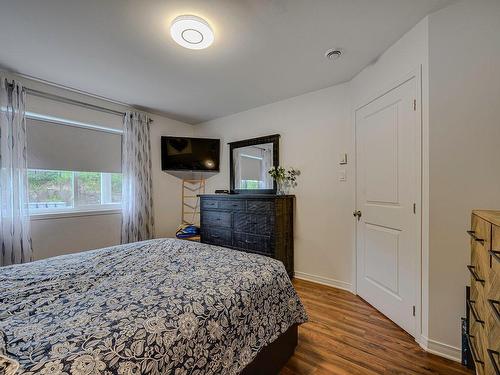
(163, 306)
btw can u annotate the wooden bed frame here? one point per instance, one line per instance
(273, 357)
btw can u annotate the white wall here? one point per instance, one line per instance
(464, 56)
(65, 235)
(315, 129)
(167, 189)
(62, 235)
(458, 51)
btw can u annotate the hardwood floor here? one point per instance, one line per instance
(345, 335)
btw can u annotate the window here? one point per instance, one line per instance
(74, 156)
(251, 184)
(52, 191)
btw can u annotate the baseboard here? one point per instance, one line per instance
(441, 349)
(324, 280)
(432, 346)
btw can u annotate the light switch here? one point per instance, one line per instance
(342, 175)
(343, 159)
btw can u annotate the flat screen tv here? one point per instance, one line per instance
(190, 154)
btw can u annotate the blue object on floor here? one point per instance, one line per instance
(187, 231)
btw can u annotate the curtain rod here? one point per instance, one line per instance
(62, 99)
(79, 103)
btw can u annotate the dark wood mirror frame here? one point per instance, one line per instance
(274, 139)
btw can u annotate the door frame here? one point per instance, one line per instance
(419, 302)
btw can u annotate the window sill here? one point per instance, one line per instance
(74, 213)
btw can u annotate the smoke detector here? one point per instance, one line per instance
(333, 54)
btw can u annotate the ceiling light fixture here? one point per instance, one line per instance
(191, 32)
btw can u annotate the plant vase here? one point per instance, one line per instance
(282, 187)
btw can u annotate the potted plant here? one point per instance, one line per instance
(285, 179)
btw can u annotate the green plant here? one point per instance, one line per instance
(281, 175)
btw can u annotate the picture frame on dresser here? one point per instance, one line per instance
(272, 144)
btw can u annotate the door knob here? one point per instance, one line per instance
(357, 214)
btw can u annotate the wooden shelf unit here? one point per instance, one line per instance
(190, 200)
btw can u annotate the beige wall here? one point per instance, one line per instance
(464, 55)
(315, 129)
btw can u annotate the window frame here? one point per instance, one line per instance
(75, 213)
(79, 210)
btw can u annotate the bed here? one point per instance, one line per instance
(163, 306)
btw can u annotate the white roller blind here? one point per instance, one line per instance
(68, 148)
(53, 108)
(250, 168)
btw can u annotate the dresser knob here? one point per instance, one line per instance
(495, 307)
(472, 309)
(495, 254)
(474, 237)
(472, 270)
(491, 355)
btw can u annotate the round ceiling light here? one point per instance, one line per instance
(192, 32)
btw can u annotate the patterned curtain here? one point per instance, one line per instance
(15, 236)
(137, 196)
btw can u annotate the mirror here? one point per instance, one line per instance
(250, 161)
(251, 164)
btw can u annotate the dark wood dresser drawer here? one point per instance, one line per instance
(260, 206)
(209, 203)
(233, 205)
(217, 236)
(253, 243)
(216, 218)
(253, 223)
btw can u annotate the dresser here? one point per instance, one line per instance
(483, 303)
(255, 223)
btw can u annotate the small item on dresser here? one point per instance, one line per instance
(222, 191)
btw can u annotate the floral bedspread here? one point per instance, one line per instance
(154, 307)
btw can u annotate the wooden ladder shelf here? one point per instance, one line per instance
(191, 201)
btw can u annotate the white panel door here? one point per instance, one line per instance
(387, 187)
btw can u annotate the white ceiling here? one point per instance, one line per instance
(264, 50)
